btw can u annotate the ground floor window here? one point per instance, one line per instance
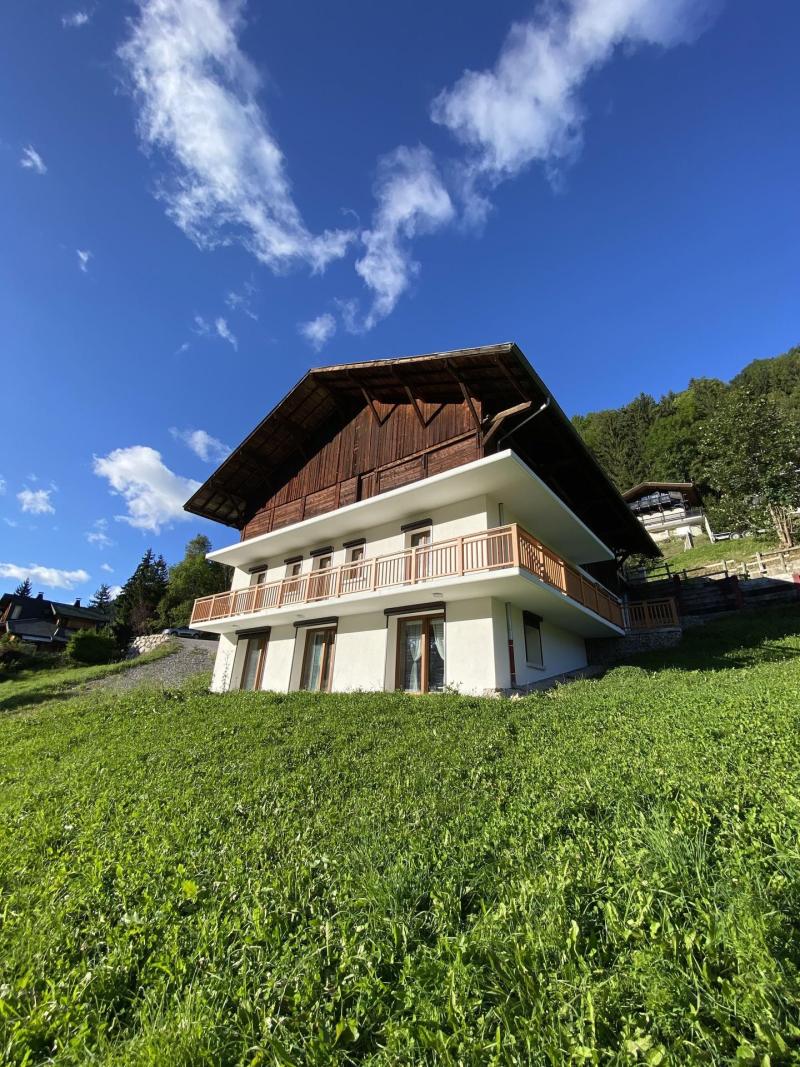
(318, 659)
(533, 639)
(254, 656)
(420, 654)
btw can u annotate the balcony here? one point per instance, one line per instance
(504, 548)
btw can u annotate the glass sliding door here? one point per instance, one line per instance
(420, 654)
(318, 659)
(254, 656)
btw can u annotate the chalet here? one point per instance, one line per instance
(669, 509)
(48, 624)
(418, 524)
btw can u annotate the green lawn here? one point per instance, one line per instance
(705, 553)
(28, 687)
(608, 873)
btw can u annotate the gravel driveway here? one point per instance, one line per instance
(194, 657)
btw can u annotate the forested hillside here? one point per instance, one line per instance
(738, 440)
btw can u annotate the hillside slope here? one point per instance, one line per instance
(605, 873)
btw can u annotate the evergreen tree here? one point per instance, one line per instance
(193, 577)
(24, 588)
(102, 599)
(135, 607)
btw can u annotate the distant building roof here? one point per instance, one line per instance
(645, 488)
(38, 631)
(75, 611)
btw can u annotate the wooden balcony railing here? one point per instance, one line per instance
(489, 550)
(651, 614)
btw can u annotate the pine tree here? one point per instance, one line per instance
(102, 599)
(135, 607)
(24, 588)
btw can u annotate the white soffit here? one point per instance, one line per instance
(503, 476)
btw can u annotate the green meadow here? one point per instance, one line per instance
(607, 873)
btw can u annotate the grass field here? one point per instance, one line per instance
(608, 873)
(26, 687)
(705, 553)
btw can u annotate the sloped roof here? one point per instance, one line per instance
(644, 488)
(36, 630)
(499, 375)
(75, 611)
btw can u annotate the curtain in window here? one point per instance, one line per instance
(413, 664)
(436, 655)
(315, 659)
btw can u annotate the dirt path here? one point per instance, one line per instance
(194, 657)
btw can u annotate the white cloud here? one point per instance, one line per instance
(31, 160)
(114, 591)
(105, 567)
(75, 20)
(98, 535)
(222, 328)
(36, 501)
(154, 495)
(318, 331)
(201, 327)
(197, 98)
(526, 108)
(52, 577)
(240, 300)
(412, 200)
(83, 259)
(10, 522)
(182, 348)
(209, 449)
(2, 486)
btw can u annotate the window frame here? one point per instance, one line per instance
(328, 655)
(426, 619)
(533, 624)
(262, 637)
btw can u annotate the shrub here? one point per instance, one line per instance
(15, 653)
(91, 646)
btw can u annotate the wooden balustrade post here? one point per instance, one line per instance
(514, 534)
(460, 555)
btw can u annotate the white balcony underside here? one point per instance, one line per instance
(516, 585)
(504, 476)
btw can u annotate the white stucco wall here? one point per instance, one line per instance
(359, 660)
(223, 664)
(279, 659)
(562, 651)
(471, 651)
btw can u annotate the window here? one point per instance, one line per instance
(532, 625)
(355, 554)
(294, 568)
(318, 659)
(254, 657)
(258, 577)
(420, 654)
(420, 538)
(323, 563)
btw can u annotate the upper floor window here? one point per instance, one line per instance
(355, 554)
(258, 577)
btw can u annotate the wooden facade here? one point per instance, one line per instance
(349, 432)
(384, 446)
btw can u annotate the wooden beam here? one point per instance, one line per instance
(502, 367)
(465, 394)
(501, 417)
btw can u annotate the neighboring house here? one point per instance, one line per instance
(669, 509)
(419, 524)
(48, 624)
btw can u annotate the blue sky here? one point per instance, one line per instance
(204, 198)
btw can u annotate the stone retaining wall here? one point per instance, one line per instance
(140, 645)
(603, 651)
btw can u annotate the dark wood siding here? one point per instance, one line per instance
(374, 452)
